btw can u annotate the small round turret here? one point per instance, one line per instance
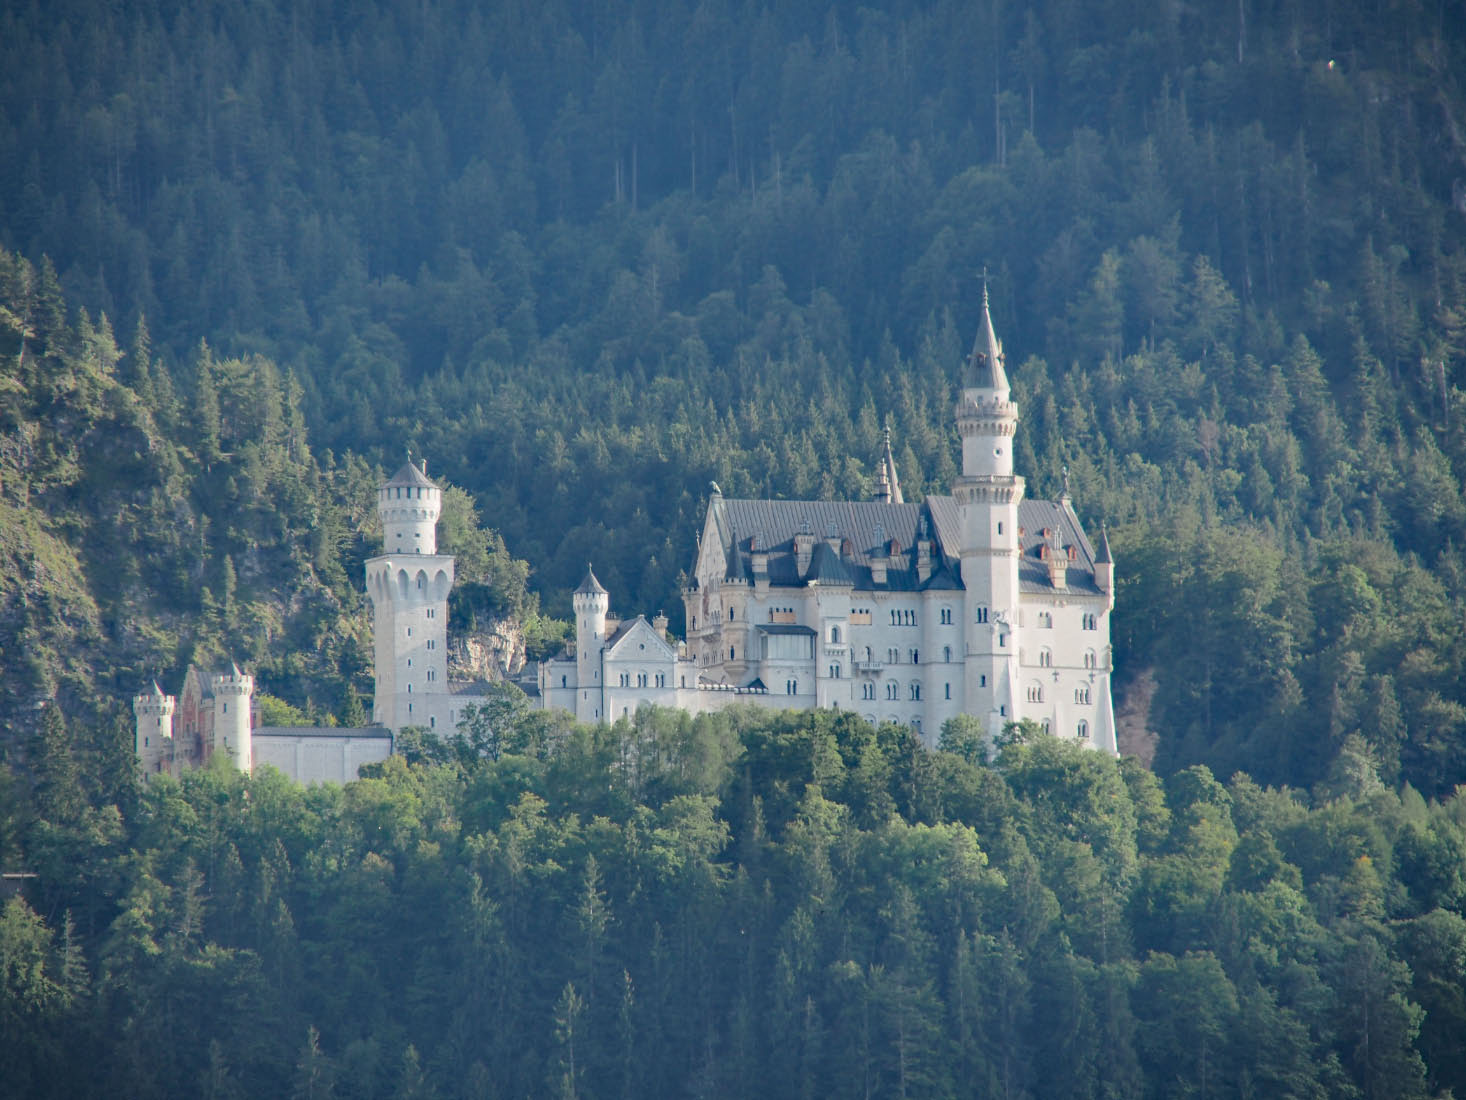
(591, 602)
(233, 691)
(409, 505)
(153, 739)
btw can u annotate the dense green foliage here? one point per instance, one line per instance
(737, 905)
(587, 258)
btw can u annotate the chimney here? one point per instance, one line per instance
(1056, 557)
(803, 548)
(659, 624)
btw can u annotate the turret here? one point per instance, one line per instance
(233, 691)
(1104, 565)
(591, 602)
(153, 740)
(888, 484)
(409, 505)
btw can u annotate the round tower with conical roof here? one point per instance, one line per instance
(153, 739)
(408, 585)
(591, 602)
(409, 506)
(987, 495)
(233, 691)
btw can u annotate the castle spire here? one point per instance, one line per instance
(889, 483)
(985, 367)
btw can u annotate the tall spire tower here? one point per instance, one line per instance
(987, 495)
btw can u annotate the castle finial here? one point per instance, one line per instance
(1065, 470)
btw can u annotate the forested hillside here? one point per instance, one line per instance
(737, 906)
(587, 257)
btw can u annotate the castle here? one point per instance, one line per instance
(979, 603)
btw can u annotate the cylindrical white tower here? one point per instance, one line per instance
(987, 495)
(153, 741)
(591, 602)
(409, 505)
(408, 585)
(233, 691)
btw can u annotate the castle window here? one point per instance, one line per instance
(946, 653)
(732, 613)
(867, 691)
(1045, 619)
(641, 679)
(226, 705)
(563, 682)
(432, 675)
(409, 632)
(915, 691)
(432, 614)
(409, 662)
(981, 616)
(732, 653)
(1002, 712)
(1083, 731)
(1044, 725)
(1000, 522)
(409, 689)
(626, 679)
(916, 656)
(1090, 660)
(891, 690)
(1045, 657)
(432, 721)
(1081, 694)
(1002, 641)
(947, 690)
(661, 679)
(791, 687)
(834, 672)
(982, 681)
(1090, 621)
(946, 616)
(409, 705)
(146, 742)
(1035, 693)
(682, 682)
(834, 635)
(893, 656)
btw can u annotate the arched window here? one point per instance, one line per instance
(891, 689)
(947, 653)
(915, 691)
(1091, 621)
(834, 672)
(1035, 692)
(947, 690)
(1081, 694)
(981, 616)
(1090, 660)
(1045, 620)
(732, 613)
(1083, 730)
(834, 635)
(1045, 657)
(867, 691)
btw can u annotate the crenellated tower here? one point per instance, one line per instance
(153, 739)
(408, 586)
(233, 692)
(591, 602)
(987, 495)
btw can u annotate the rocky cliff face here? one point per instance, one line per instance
(493, 654)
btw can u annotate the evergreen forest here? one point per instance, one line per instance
(586, 258)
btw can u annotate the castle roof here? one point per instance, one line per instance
(985, 366)
(868, 530)
(410, 475)
(1104, 557)
(590, 586)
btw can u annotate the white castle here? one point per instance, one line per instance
(977, 603)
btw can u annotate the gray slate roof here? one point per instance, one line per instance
(868, 527)
(410, 475)
(321, 731)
